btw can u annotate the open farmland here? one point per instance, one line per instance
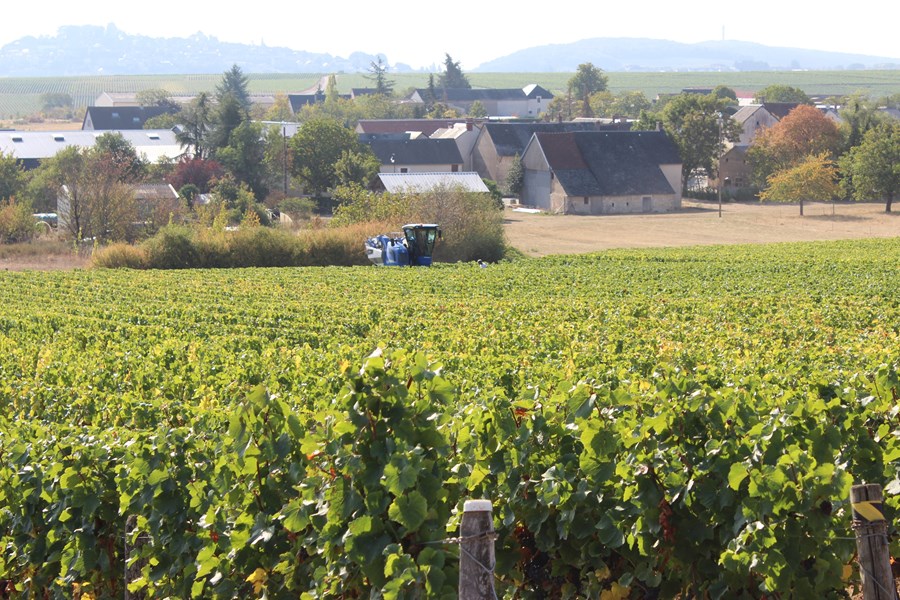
(645, 422)
(21, 96)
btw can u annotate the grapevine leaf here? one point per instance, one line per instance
(737, 474)
(409, 510)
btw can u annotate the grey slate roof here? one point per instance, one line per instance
(421, 151)
(118, 118)
(780, 110)
(512, 138)
(598, 163)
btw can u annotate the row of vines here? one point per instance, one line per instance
(648, 424)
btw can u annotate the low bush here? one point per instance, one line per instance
(16, 222)
(172, 248)
(262, 247)
(118, 256)
(471, 224)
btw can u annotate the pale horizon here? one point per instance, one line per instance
(419, 36)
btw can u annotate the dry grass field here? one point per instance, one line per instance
(698, 223)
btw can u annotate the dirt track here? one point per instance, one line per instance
(698, 223)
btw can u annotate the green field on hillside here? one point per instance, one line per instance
(20, 97)
(658, 423)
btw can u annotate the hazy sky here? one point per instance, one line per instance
(419, 33)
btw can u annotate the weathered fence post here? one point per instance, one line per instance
(476, 551)
(872, 543)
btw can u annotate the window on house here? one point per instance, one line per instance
(585, 199)
(153, 136)
(404, 170)
(454, 168)
(115, 115)
(59, 138)
(17, 138)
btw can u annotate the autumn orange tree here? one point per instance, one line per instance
(813, 178)
(803, 132)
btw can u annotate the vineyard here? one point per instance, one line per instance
(648, 424)
(21, 96)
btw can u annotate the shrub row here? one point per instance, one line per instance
(181, 247)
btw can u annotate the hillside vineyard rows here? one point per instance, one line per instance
(646, 423)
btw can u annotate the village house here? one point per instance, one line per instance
(119, 118)
(465, 135)
(32, 147)
(600, 172)
(399, 183)
(755, 117)
(498, 143)
(530, 101)
(401, 154)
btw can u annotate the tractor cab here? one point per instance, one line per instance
(414, 247)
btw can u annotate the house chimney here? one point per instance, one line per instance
(659, 126)
(470, 123)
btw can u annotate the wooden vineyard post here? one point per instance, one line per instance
(476, 551)
(872, 543)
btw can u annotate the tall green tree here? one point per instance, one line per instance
(453, 77)
(357, 167)
(13, 180)
(234, 83)
(245, 157)
(782, 93)
(858, 115)
(280, 109)
(587, 81)
(723, 91)
(872, 169)
(113, 146)
(196, 122)
(515, 177)
(156, 97)
(699, 127)
(378, 75)
(229, 114)
(432, 92)
(477, 110)
(317, 146)
(331, 90)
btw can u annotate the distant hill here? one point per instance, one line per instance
(639, 54)
(92, 50)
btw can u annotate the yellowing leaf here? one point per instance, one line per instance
(615, 592)
(258, 579)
